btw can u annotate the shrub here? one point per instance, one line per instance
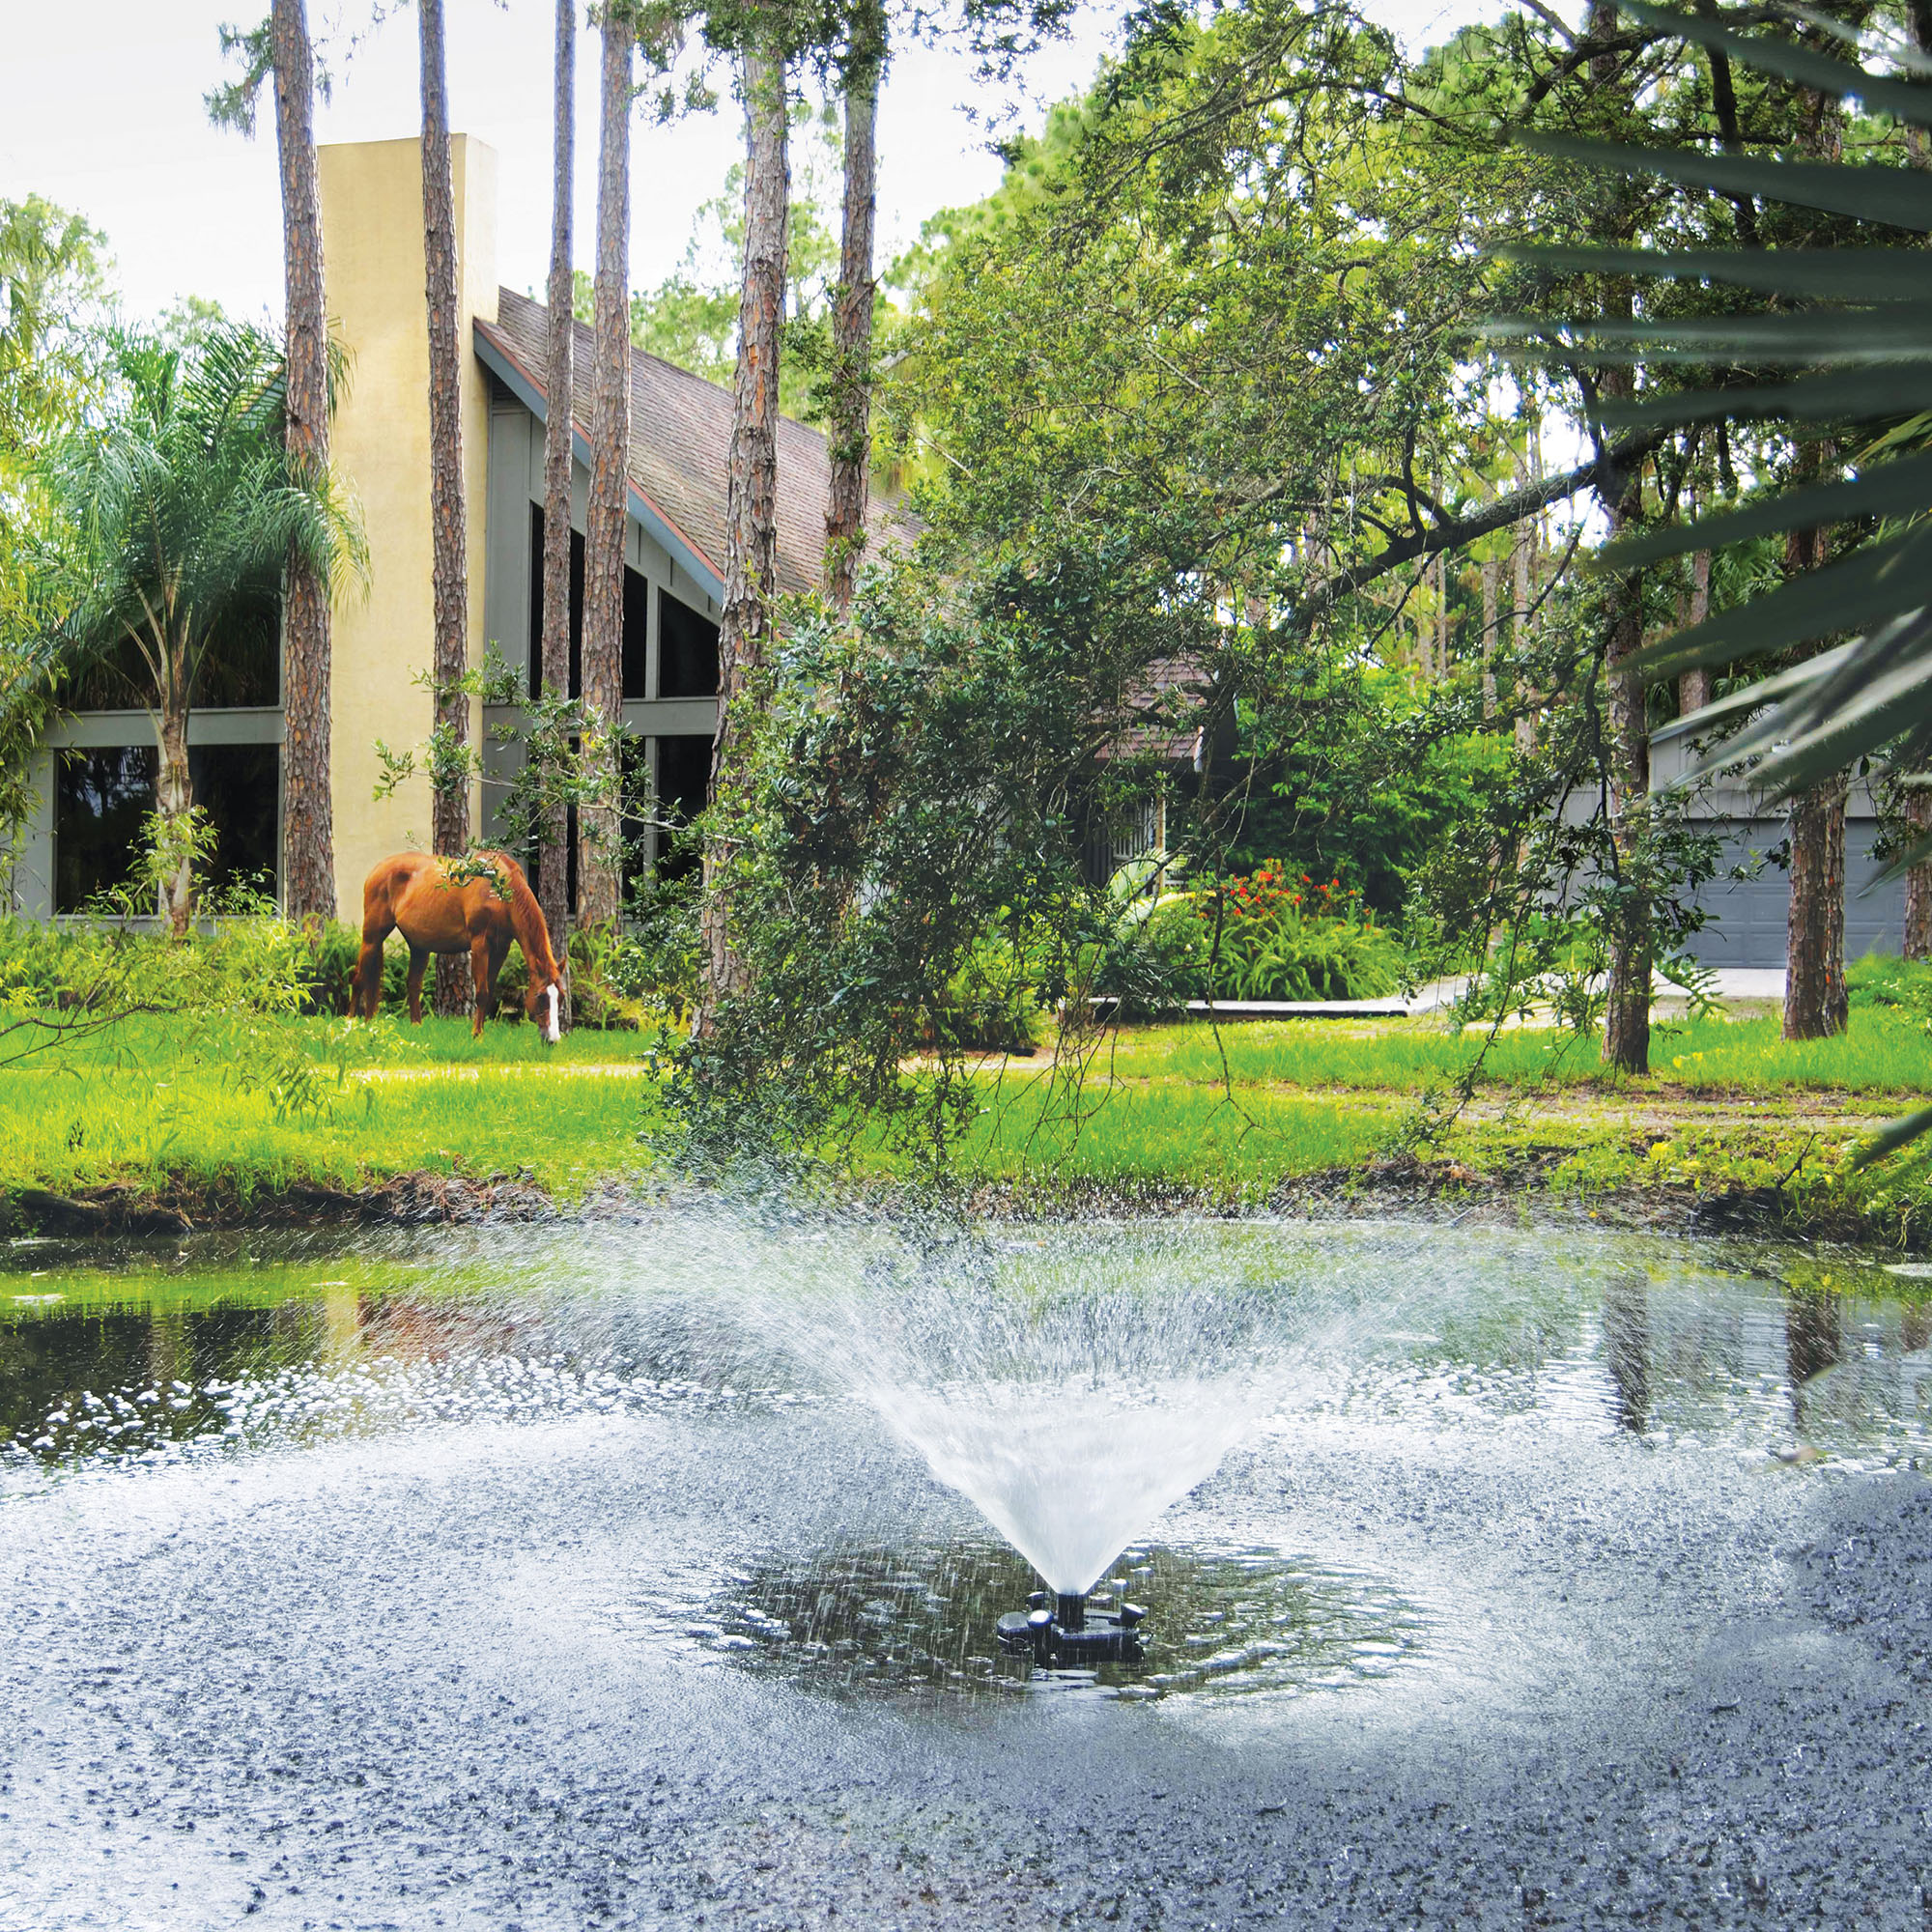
(1285, 936)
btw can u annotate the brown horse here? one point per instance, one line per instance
(479, 910)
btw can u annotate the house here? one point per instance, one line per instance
(96, 776)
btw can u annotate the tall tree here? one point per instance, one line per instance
(751, 536)
(308, 825)
(1816, 999)
(449, 806)
(280, 47)
(849, 403)
(553, 843)
(1630, 937)
(599, 847)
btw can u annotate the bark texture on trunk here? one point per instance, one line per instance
(449, 804)
(1492, 570)
(1918, 879)
(1632, 931)
(1693, 687)
(174, 800)
(1631, 935)
(553, 837)
(1523, 632)
(308, 827)
(851, 399)
(598, 848)
(751, 538)
(1816, 1000)
(1815, 1005)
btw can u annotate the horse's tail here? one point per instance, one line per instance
(527, 920)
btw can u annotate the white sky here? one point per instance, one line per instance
(100, 110)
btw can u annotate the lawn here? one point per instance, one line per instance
(1229, 1115)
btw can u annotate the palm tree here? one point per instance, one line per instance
(1856, 323)
(449, 804)
(177, 515)
(599, 858)
(552, 869)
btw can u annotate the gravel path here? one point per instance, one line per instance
(405, 1681)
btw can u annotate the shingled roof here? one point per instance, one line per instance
(680, 447)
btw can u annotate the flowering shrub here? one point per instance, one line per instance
(1282, 935)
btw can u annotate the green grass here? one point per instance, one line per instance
(1185, 1135)
(165, 1104)
(194, 1126)
(1883, 1051)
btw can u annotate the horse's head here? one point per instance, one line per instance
(543, 1004)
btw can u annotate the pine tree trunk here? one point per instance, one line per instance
(599, 844)
(449, 800)
(1815, 1004)
(174, 800)
(308, 832)
(1693, 687)
(552, 852)
(851, 400)
(1630, 935)
(1491, 568)
(1816, 1000)
(1918, 944)
(1524, 630)
(750, 537)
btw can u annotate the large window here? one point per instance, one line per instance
(243, 667)
(684, 782)
(687, 650)
(101, 796)
(100, 799)
(637, 615)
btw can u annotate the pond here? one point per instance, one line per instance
(681, 1509)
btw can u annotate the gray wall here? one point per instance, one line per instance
(1749, 919)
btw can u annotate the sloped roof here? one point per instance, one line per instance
(680, 449)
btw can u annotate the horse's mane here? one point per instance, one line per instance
(526, 918)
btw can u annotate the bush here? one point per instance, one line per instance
(993, 1003)
(332, 970)
(1283, 936)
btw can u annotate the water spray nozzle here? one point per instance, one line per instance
(1061, 1630)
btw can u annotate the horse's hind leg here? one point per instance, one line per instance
(418, 959)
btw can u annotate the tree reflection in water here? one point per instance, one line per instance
(1813, 1340)
(1627, 1346)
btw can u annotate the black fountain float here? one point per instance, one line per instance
(1066, 1629)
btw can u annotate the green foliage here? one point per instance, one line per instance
(1279, 935)
(52, 315)
(1859, 320)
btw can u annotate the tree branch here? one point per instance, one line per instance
(1451, 534)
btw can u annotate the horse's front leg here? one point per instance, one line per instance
(418, 959)
(483, 963)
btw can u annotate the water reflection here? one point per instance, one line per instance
(1813, 1341)
(914, 1623)
(1627, 1346)
(185, 1350)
